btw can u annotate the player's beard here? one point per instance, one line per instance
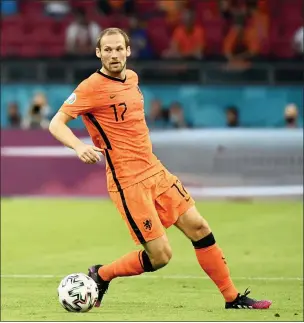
(115, 70)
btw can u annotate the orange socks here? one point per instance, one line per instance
(209, 256)
(131, 264)
(212, 261)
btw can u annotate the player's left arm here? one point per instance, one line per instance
(59, 129)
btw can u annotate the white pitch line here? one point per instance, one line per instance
(163, 277)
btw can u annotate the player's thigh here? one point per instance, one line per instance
(193, 225)
(138, 211)
(174, 201)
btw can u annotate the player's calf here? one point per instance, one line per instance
(131, 264)
(208, 253)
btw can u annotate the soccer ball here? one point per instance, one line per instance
(77, 293)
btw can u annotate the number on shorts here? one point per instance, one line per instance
(181, 190)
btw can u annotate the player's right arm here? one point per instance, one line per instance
(77, 104)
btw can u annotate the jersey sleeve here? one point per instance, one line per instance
(131, 75)
(79, 102)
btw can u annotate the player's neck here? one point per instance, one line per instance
(121, 75)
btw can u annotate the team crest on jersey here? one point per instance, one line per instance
(71, 99)
(147, 225)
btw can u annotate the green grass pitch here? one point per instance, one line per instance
(263, 244)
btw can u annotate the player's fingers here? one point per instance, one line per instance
(97, 149)
(90, 161)
(85, 159)
(94, 154)
(97, 157)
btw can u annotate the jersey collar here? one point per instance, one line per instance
(112, 78)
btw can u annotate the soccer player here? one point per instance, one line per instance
(146, 194)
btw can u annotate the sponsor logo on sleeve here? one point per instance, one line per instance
(71, 99)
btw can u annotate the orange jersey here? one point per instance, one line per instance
(189, 43)
(113, 113)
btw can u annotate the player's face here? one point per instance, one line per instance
(113, 53)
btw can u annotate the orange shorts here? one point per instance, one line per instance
(149, 206)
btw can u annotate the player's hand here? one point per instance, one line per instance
(88, 154)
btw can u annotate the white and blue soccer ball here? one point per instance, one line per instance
(77, 293)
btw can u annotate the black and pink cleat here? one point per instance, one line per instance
(101, 284)
(244, 302)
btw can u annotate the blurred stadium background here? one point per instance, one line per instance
(222, 79)
(223, 86)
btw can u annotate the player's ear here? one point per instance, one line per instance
(128, 51)
(98, 53)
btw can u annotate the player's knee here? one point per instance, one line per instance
(193, 225)
(200, 230)
(161, 257)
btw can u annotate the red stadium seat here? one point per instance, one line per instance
(36, 22)
(17, 20)
(144, 7)
(214, 37)
(45, 39)
(13, 33)
(118, 21)
(282, 49)
(33, 8)
(3, 50)
(281, 41)
(36, 33)
(207, 10)
(89, 5)
(29, 51)
(53, 51)
(158, 34)
(103, 21)
(265, 48)
(273, 8)
(292, 16)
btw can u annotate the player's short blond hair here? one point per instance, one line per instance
(113, 31)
